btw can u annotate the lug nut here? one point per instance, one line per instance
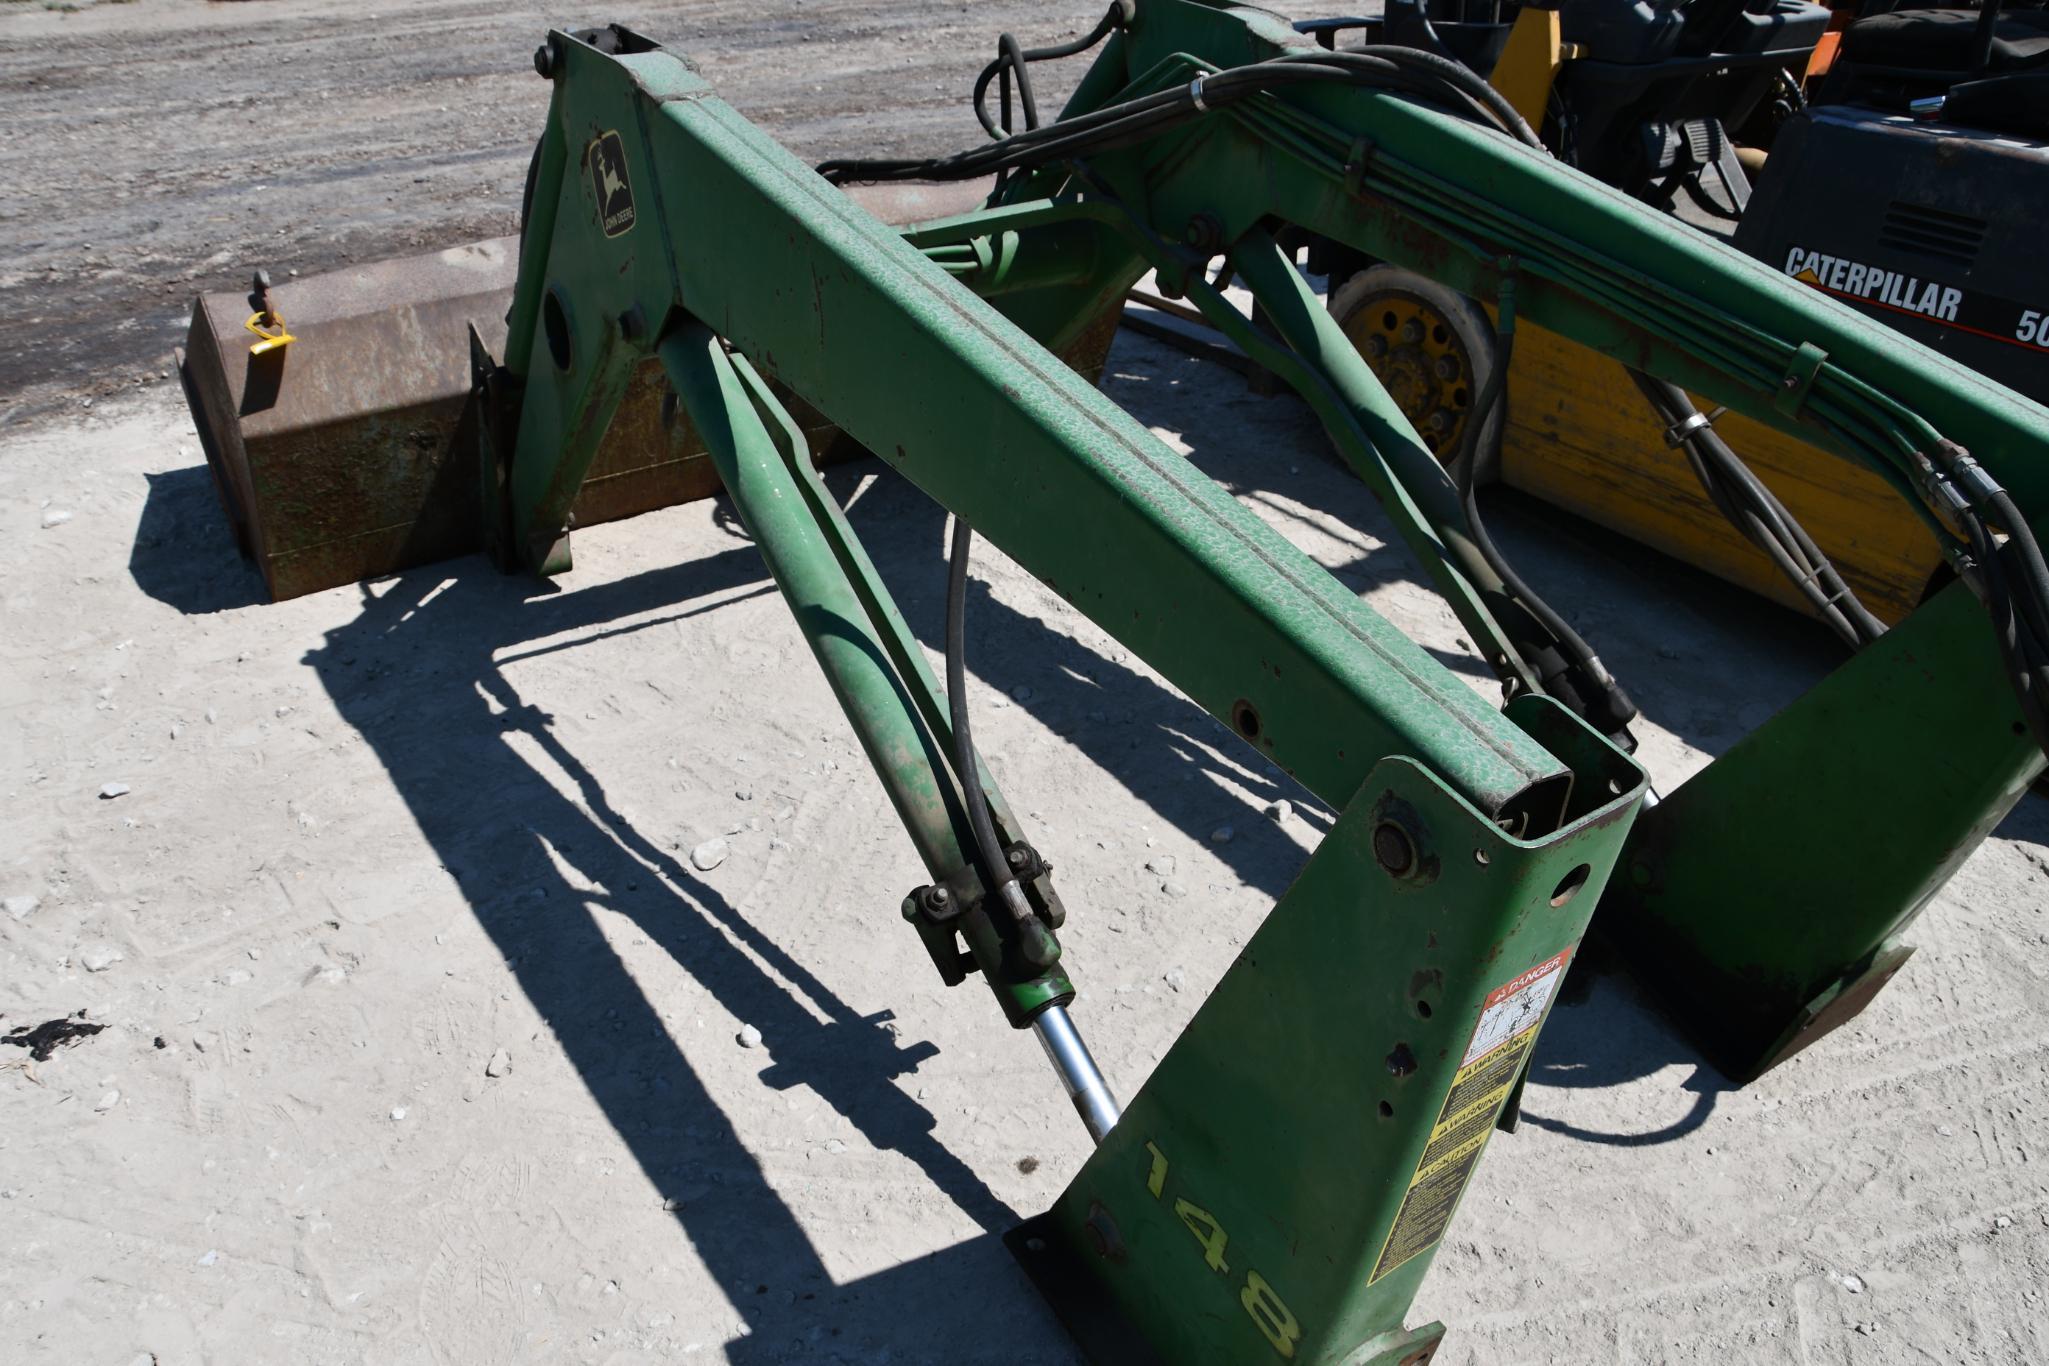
(1376, 347)
(1412, 331)
(1446, 367)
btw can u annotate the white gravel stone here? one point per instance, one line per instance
(98, 957)
(108, 1101)
(748, 1037)
(500, 1064)
(709, 855)
(1223, 834)
(1279, 811)
(1162, 864)
(112, 790)
(55, 517)
(21, 907)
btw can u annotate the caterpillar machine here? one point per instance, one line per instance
(1910, 184)
(1276, 1189)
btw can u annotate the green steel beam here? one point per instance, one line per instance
(1410, 184)
(1247, 1204)
(1769, 890)
(1277, 1189)
(1465, 205)
(858, 640)
(1473, 843)
(732, 230)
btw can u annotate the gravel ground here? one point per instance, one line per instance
(428, 1042)
(162, 148)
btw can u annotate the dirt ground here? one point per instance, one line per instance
(423, 1033)
(162, 148)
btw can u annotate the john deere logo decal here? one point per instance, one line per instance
(607, 159)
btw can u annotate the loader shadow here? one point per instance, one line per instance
(539, 863)
(1604, 1033)
(419, 673)
(543, 858)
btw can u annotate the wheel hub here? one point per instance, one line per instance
(1415, 352)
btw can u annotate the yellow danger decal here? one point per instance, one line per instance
(1493, 1060)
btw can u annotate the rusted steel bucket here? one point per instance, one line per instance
(350, 452)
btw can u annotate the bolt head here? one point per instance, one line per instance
(1412, 331)
(1393, 848)
(544, 61)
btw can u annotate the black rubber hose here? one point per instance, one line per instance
(1451, 73)
(1027, 105)
(1750, 505)
(2029, 677)
(1009, 54)
(1399, 69)
(995, 868)
(2022, 546)
(1621, 709)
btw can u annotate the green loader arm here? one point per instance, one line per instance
(1278, 1186)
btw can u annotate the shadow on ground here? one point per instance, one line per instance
(448, 732)
(419, 672)
(445, 733)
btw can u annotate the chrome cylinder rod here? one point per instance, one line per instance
(1078, 1072)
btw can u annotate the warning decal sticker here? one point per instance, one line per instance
(1493, 1060)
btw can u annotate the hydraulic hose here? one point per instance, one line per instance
(1754, 510)
(996, 874)
(1079, 1075)
(1599, 696)
(1399, 69)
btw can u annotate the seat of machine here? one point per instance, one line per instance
(1946, 40)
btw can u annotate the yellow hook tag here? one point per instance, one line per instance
(270, 326)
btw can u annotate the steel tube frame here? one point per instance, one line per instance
(1466, 206)
(861, 644)
(840, 310)
(727, 242)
